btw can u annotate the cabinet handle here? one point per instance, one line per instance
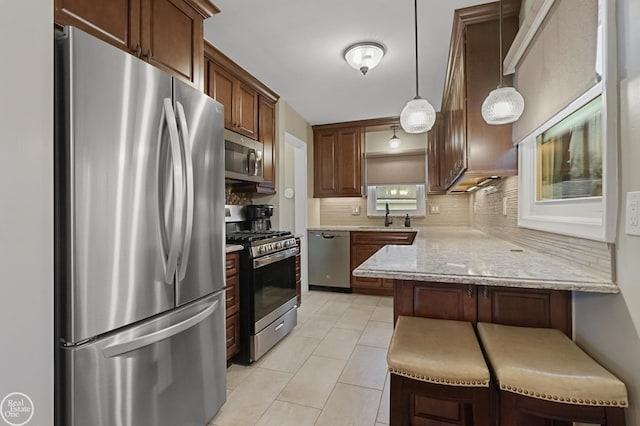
(230, 299)
(229, 340)
(138, 50)
(485, 291)
(470, 291)
(149, 55)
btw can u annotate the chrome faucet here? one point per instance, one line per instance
(387, 219)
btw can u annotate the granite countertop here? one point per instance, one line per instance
(469, 256)
(355, 228)
(230, 248)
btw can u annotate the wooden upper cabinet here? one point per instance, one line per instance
(474, 149)
(325, 179)
(166, 33)
(219, 86)
(171, 37)
(114, 21)
(237, 90)
(435, 155)
(245, 105)
(338, 162)
(249, 109)
(267, 135)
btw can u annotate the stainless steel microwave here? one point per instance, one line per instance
(242, 158)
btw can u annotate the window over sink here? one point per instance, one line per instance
(402, 200)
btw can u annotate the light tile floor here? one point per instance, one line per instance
(331, 370)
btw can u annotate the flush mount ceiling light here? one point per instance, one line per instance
(418, 114)
(394, 142)
(504, 105)
(364, 56)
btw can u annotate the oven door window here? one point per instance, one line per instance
(275, 284)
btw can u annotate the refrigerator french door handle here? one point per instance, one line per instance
(186, 146)
(120, 348)
(172, 258)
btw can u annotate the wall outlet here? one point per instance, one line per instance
(504, 206)
(355, 210)
(632, 216)
(434, 208)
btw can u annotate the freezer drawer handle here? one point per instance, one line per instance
(151, 338)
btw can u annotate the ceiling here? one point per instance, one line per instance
(296, 48)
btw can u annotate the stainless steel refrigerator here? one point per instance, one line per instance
(139, 242)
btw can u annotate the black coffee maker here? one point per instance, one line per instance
(259, 216)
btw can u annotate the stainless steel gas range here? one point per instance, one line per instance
(268, 304)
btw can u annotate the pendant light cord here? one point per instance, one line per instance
(500, 58)
(415, 20)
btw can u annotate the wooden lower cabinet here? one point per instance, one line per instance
(232, 304)
(475, 303)
(366, 244)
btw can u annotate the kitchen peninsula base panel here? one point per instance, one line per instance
(467, 302)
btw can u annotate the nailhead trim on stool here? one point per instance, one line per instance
(565, 400)
(441, 380)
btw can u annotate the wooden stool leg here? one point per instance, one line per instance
(399, 404)
(615, 416)
(481, 407)
(508, 409)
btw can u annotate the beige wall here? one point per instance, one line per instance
(26, 200)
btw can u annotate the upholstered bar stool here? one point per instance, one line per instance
(437, 373)
(543, 373)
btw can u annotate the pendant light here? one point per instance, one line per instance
(504, 105)
(364, 56)
(418, 114)
(394, 142)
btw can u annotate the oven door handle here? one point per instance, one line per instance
(276, 257)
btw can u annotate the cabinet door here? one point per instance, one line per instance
(267, 135)
(324, 178)
(435, 300)
(525, 307)
(348, 152)
(435, 140)
(220, 88)
(233, 335)
(246, 109)
(172, 38)
(360, 253)
(114, 21)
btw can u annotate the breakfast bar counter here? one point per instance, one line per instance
(469, 256)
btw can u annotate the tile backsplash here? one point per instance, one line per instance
(487, 215)
(454, 211)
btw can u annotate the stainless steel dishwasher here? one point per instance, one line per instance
(329, 255)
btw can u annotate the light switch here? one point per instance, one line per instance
(434, 209)
(355, 210)
(632, 216)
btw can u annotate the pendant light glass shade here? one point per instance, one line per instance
(394, 142)
(504, 105)
(417, 116)
(364, 56)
